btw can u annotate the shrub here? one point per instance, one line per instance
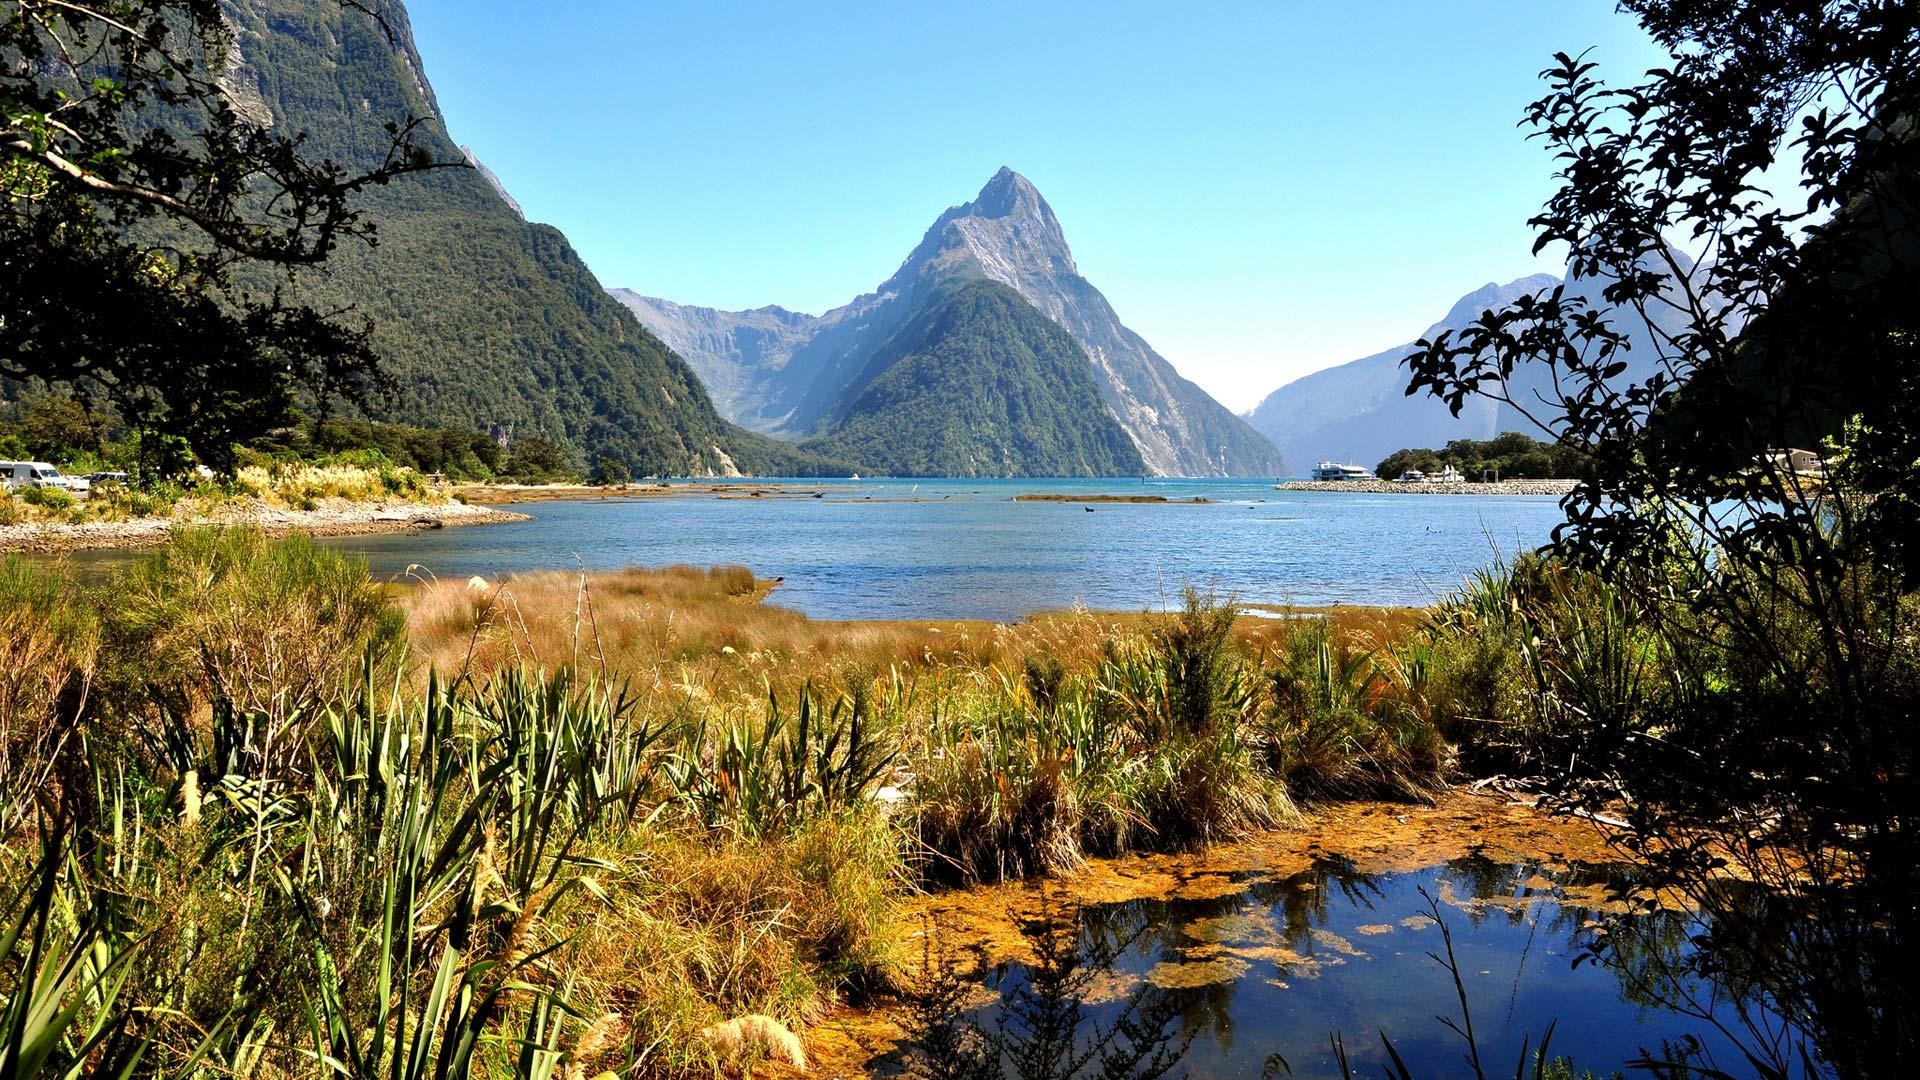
(264, 627)
(51, 498)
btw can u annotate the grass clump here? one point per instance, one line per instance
(356, 478)
(1150, 749)
(635, 805)
(48, 645)
(1348, 722)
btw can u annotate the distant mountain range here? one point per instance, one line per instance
(789, 374)
(1359, 412)
(488, 320)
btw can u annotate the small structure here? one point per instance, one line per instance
(1798, 462)
(1448, 475)
(1333, 470)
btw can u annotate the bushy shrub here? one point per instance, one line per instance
(57, 500)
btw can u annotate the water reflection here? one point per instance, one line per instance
(1263, 966)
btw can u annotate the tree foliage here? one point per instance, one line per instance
(142, 204)
(1795, 326)
(1508, 456)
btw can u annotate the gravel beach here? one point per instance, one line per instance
(334, 518)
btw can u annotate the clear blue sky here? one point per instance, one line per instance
(1262, 189)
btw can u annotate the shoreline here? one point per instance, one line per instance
(339, 518)
(508, 494)
(1390, 487)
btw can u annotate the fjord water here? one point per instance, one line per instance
(961, 549)
(1280, 966)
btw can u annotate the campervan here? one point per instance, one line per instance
(19, 474)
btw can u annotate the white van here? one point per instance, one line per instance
(18, 474)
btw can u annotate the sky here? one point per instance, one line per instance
(1262, 190)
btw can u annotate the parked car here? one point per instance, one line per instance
(98, 478)
(19, 474)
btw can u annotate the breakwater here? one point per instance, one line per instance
(1389, 487)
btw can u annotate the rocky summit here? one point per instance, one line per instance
(785, 377)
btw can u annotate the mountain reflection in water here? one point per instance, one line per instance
(1274, 966)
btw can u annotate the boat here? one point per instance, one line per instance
(1333, 470)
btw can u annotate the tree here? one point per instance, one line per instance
(145, 213)
(1795, 326)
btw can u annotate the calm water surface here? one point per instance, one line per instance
(1281, 966)
(965, 549)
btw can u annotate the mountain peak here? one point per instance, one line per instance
(1009, 194)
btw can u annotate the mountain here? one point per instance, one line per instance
(1359, 412)
(788, 383)
(483, 318)
(978, 383)
(724, 347)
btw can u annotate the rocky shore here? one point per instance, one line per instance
(1389, 487)
(335, 518)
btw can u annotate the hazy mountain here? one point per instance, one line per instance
(1359, 412)
(978, 383)
(485, 319)
(727, 348)
(788, 384)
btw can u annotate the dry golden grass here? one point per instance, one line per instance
(720, 632)
(697, 930)
(715, 629)
(301, 486)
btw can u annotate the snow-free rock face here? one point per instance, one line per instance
(728, 349)
(1007, 234)
(483, 319)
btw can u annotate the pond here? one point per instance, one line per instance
(1261, 977)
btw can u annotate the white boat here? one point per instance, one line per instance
(1334, 470)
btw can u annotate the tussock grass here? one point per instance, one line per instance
(48, 643)
(560, 823)
(278, 485)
